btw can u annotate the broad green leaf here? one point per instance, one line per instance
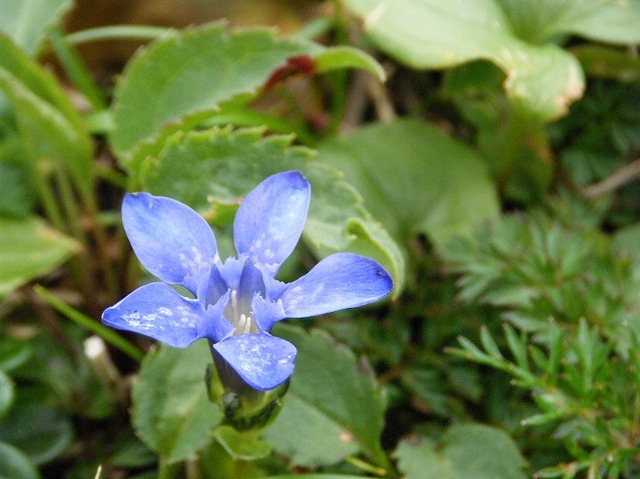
(14, 464)
(41, 432)
(315, 476)
(599, 20)
(543, 79)
(17, 197)
(189, 75)
(132, 453)
(48, 133)
(14, 352)
(7, 392)
(441, 189)
(241, 445)
(171, 411)
(468, 451)
(212, 170)
(333, 408)
(28, 249)
(27, 21)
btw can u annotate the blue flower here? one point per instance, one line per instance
(236, 302)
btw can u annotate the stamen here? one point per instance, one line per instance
(234, 303)
(243, 326)
(242, 321)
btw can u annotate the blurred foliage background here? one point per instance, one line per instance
(485, 152)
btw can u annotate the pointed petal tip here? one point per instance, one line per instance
(155, 310)
(340, 281)
(270, 220)
(169, 238)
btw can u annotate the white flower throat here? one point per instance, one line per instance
(239, 316)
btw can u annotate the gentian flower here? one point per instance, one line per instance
(236, 301)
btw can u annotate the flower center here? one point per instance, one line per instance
(240, 316)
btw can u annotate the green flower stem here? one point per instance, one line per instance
(111, 176)
(40, 178)
(340, 78)
(117, 32)
(84, 277)
(366, 467)
(76, 70)
(101, 246)
(86, 322)
(384, 466)
(53, 212)
(168, 470)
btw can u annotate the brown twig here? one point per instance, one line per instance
(621, 177)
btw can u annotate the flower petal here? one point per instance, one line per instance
(157, 311)
(215, 326)
(340, 281)
(266, 313)
(269, 221)
(261, 360)
(170, 239)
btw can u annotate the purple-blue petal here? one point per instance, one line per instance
(261, 360)
(158, 311)
(340, 281)
(269, 222)
(170, 239)
(215, 326)
(266, 313)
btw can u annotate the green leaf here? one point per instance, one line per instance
(333, 408)
(314, 476)
(14, 464)
(442, 189)
(14, 352)
(187, 76)
(347, 57)
(171, 410)
(41, 432)
(27, 21)
(7, 393)
(602, 21)
(192, 72)
(28, 249)
(48, 133)
(16, 194)
(543, 79)
(468, 451)
(33, 77)
(132, 453)
(241, 445)
(212, 170)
